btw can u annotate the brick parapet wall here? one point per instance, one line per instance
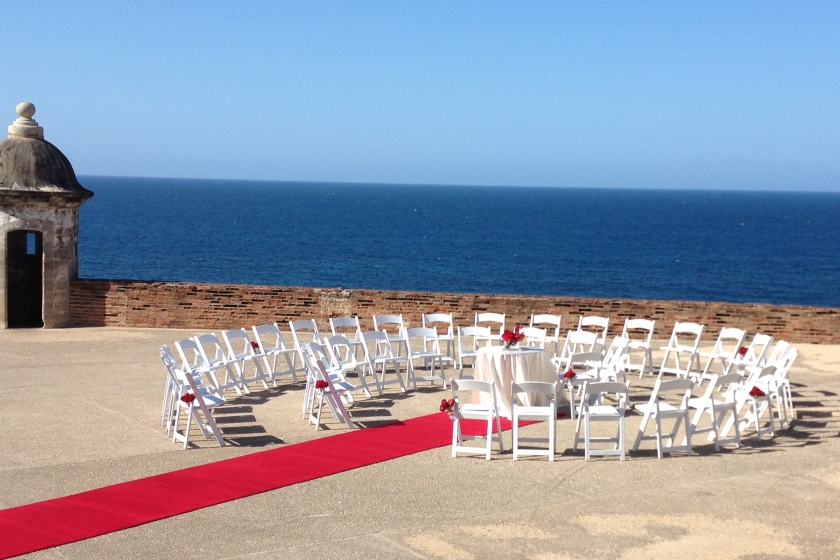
(126, 303)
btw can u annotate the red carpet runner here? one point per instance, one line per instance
(97, 512)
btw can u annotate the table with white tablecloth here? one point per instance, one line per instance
(505, 366)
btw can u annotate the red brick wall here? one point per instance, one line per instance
(118, 303)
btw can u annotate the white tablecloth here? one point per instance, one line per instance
(503, 367)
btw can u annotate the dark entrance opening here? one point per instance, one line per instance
(24, 280)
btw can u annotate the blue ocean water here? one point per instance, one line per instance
(775, 247)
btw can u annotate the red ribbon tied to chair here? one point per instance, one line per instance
(756, 392)
(570, 374)
(513, 337)
(447, 405)
(321, 384)
(188, 398)
(742, 350)
(254, 345)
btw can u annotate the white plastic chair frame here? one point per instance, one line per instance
(331, 395)
(495, 319)
(728, 336)
(717, 402)
(598, 325)
(758, 405)
(241, 353)
(446, 338)
(470, 411)
(576, 342)
(218, 363)
(342, 357)
(551, 336)
(614, 363)
(592, 409)
(350, 328)
(546, 413)
(535, 337)
(378, 352)
(297, 328)
(756, 352)
(273, 351)
(469, 340)
(658, 409)
(425, 337)
(676, 349)
(587, 368)
(379, 324)
(643, 344)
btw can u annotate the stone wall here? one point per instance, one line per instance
(119, 303)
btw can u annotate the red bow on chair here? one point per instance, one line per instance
(570, 374)
(254, 345)
(756, 392)
(188, 398)
(447, 405)
(321, 384)
(742, 350)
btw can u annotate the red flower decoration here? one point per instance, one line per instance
(447, 405)
(254, 345)
(513, 337)
(756, 392)
(321, 384)
(188, 398)
(742, 350)
(570, 374)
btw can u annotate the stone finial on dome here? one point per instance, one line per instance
(25, 126)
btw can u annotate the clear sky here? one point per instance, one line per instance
(723, 95)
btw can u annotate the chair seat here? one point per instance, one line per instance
(536, 411)
(601, 410)
(665, 409)
(475, 411)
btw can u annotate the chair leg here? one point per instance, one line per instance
(585, 436)
(490, 436)
(515, 435)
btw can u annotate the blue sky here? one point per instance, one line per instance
(722, 95)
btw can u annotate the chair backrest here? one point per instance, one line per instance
(547, 319)
(598, 325)
(786, 362)
(445, 318)
(303, 325)
(734, 336)
(645, 325)
(758, 348)
(614, 357)
(210, 345)
(347, 323)
(542, 387)
(534, 336)
(379, 320)
(581, 341)
(468, 338)
(340, 350)
(421, 333)
(315, 352)
(381, 347)
(686, 335)
(588, 360)
(238, 343)
(472, 385)
(268, 337)
(774, 358)
(679, 386)
(606, 387)
(191, 354)
(495, 318)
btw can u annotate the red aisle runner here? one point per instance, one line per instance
(59, 521)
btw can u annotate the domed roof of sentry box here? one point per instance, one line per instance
(32, 168)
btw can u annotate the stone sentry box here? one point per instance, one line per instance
(39, 224)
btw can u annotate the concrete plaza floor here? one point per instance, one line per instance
(81, 409)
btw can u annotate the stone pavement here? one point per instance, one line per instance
(81, 409)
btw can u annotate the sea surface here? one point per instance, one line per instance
(743, 246)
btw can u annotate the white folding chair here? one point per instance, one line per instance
(659, 409)
(194, 399)
(587, 368)
(547, 413)
(331, 393)
(775, 357)
(446, 336)
(378, 352)
(214, 357)
(762, 401)
(241, 353)
(469, 340)
(492, 320)
(685, 343)
(350, 328)
(717, 402)
(425, 337)
(471, 411)
(342, 357)
(592, 409)
(598, 325)
(726, 347)
(535, 337)
(396, 341)
(755, 354)
(640, 343)
(273, 348)
(576, 342)
(552, 336)
(314, 353)
(783, 384)
(614, 363)
(298, 329)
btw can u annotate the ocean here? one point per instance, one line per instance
(742, 246)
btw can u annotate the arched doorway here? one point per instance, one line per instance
(24, 279)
